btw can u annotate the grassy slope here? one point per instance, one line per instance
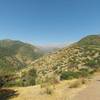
(15, 55)
(85, 53)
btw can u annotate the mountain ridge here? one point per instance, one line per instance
(76, 56)
(15, 54)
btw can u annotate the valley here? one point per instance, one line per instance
(60, 74)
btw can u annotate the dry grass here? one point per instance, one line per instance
(61, 92)
(78, 83)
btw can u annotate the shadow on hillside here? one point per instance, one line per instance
(6, 94)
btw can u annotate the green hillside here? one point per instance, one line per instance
(83, 54)
(90, 40)
(15, 55)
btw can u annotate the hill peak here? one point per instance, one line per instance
(90, 40)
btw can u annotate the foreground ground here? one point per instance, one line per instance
(92, 92)
(61, 92)
(89, 91)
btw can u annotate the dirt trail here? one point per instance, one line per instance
(92, 92)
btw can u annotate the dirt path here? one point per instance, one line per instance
(92, 92)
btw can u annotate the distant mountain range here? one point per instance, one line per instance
(53, 47)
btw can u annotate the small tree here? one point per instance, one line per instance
(4, 79)
(49, 84)
(29, 78)
(91, 63)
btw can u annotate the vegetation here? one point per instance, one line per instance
(5, 79)
(48, 84)
(66, 75)
(75, 61)
(70, 62)
(16, 55)
(90, 40)
(76, 84)
(29, 79)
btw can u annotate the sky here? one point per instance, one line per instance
(43, 22)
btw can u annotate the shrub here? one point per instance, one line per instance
(48, 84)
(2, 82)
(49, 90)
(66, 75)
(29, 78)
(92, 72)
(84, 72)
(5, 79)
(84, 81)
(76, 84)
(91, 63)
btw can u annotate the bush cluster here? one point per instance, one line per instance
(66, 75)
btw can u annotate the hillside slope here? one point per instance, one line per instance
(15, 55)
(85, 53)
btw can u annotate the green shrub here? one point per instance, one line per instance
(5, 79)
(29, 78)
(92, 72)
(84, 72)
(66, 75)
(91, 63)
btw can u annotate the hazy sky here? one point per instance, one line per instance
(49, 21)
